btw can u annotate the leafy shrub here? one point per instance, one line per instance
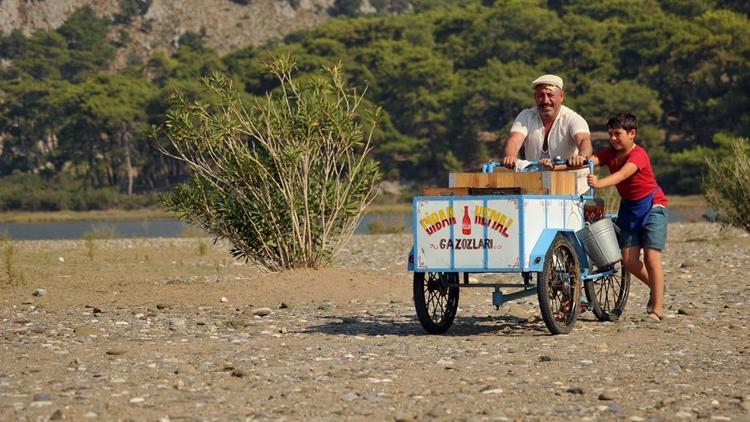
(727, 185)
(286, 180)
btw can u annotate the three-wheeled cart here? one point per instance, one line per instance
(503, 230)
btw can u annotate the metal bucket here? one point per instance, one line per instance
(600, 242)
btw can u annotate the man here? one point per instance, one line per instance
(549, 130)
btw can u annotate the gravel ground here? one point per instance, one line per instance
(174, 329)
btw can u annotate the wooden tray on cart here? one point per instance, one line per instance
(566, 182)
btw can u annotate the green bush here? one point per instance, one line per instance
(727, 185)
(285, 181)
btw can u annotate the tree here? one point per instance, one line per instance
(106, 115)
(285, 181)
(86, 36)
(345, 8)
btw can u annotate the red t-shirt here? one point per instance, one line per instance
(642, 182)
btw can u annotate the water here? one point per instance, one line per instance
(379, 223)
(78, 229)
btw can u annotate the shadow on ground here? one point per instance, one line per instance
(374, 325)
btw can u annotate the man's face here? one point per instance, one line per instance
(548, 100)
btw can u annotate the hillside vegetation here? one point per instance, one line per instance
(450, 77)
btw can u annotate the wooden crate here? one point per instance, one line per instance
(567, 182)
(445, 191)
(432, 191)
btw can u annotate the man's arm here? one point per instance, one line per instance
(585, 151)
(515, 141)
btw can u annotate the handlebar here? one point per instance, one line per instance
(530, 166)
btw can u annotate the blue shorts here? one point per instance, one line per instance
(652, 235)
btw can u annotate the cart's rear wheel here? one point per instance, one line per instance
(436, 303)
(608, 295)
(559, 287)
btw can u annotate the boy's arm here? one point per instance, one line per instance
(626, 171)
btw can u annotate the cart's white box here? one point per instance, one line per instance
(486, 233)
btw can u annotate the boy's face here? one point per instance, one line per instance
(621, 139)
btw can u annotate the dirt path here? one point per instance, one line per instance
(173, 329)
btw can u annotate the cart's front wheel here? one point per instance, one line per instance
(435, 301)
(559, 287)
(607, 295)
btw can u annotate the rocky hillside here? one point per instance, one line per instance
(158, 24)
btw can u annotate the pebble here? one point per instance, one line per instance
(350, 396)
(85, 331)
(185, 369)
(687, 264)
(261, 312)
(602, 347)
(223, 299)
(607, 395)
(57, 415)
(367, 358)
(404, 417)
(40, 292)
(42, 397)
(176, 324)
(239, 373)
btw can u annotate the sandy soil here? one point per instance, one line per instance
(174, 329)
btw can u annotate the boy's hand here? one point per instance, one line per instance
(592, 181)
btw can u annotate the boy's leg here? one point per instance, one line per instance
(631, 259)
(656, 278)
(654, 241)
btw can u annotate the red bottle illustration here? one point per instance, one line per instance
(466, 222)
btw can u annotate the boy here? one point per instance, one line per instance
(642, 217)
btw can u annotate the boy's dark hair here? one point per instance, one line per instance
(623, 121)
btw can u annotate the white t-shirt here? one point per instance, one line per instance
(561, 141)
